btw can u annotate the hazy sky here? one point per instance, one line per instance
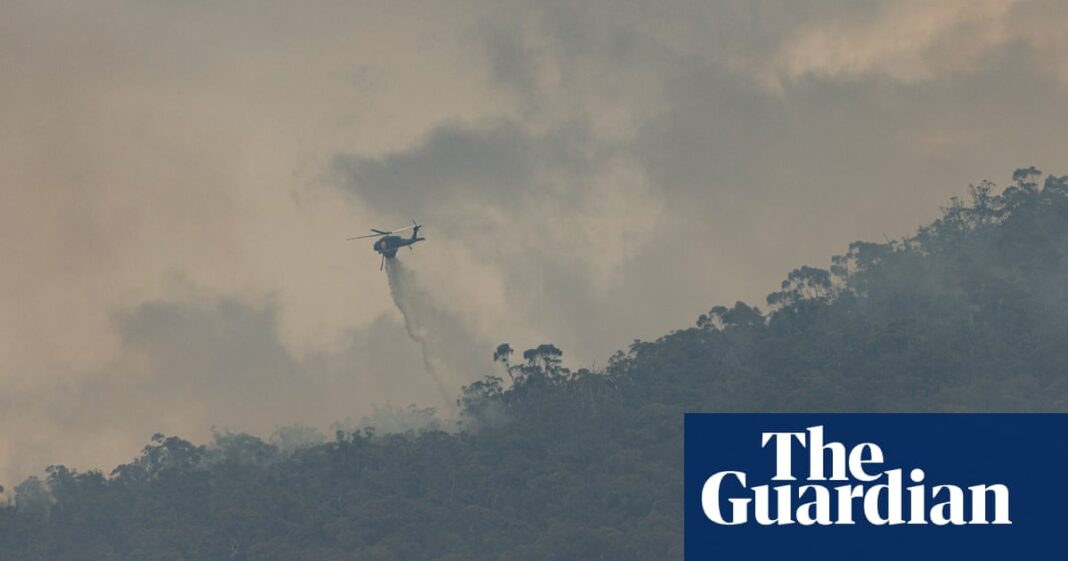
(177, 180)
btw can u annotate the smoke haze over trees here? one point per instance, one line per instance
(970, 313)
(177, 180)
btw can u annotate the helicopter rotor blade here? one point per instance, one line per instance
(378, 232)
(367, 236)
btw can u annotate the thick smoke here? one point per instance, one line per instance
(416, 308)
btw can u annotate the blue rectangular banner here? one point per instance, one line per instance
(875, 486)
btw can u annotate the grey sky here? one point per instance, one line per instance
(176, 180)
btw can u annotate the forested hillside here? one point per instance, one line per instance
(968, 314)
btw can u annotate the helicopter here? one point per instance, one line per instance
(387, 243)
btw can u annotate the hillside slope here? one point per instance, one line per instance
(968, 314)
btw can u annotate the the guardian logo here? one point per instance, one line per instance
(875, 487)
(843, 485)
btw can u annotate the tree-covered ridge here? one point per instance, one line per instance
(968, 314)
